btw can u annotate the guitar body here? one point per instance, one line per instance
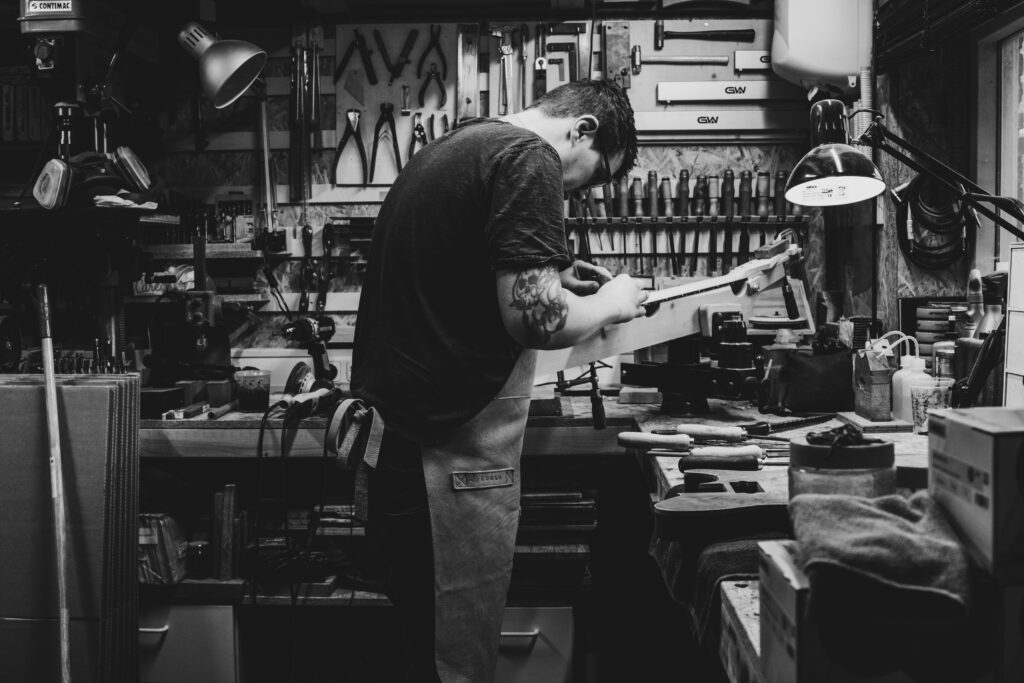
(724, 504)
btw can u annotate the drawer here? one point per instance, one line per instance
(536, 645)
(187, 644)
(1015, 342)
(1013, 390)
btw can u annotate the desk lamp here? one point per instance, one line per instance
(226, 70)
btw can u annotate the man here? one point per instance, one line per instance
(468, 274)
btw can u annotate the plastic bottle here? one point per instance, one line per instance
(968, 325)
(911, 368)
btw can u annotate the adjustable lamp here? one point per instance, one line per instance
(833, 173)
(226, 70)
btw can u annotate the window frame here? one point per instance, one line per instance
(992, 245)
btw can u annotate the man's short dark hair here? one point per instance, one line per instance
(605, 100)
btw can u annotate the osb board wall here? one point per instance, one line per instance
(923, 101)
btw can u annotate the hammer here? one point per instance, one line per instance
(742, 35)
(637, 60)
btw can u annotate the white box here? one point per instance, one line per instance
(976, 472)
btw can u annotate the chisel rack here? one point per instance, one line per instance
(685, 246)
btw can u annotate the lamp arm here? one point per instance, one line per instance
(878, 136)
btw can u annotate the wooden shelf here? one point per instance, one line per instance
(230, 250)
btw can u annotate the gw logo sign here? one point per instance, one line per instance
(49, 6)
(707, 119)
(735, 89)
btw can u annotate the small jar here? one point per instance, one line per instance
(867, 470)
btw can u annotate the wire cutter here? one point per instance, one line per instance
(435, 45)
(351, 130)
(419, 134)
(436, 77)
(386, 116)
(364, 53)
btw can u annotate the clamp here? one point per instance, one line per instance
(419, 134)
(436, 77)
(395, 69)
(435, 45)
(386, 116)
(364, 54)
(351, 131)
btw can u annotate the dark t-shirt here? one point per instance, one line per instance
(430, 346)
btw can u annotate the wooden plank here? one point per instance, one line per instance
(720, 120)
(740, 642)
(227, 443)
(467, 94)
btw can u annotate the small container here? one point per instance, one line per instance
(943, 354)
(253, 390)
(867, 470)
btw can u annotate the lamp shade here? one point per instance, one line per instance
(833, 174)
(226, 67)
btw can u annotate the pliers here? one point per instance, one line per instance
(351, 130)
(434, 44)
(364, 53)
(419, 134)
(386, 116)
(436, 77)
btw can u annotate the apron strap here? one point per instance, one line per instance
(354, 436)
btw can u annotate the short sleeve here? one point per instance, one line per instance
(526, 226)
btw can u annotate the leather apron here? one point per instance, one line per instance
(473, 485)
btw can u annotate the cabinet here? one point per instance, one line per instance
(187, 644)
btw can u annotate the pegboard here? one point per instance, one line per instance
(354, 91)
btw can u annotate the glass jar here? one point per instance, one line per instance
(867, 470)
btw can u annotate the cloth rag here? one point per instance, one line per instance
(892, 587)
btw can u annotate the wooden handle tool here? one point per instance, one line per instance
(56, 483)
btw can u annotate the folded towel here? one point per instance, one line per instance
(900, 554)
(892, 588)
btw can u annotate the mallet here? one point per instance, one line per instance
(740, 35)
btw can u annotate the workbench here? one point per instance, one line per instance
(738, 609)
(565, 438)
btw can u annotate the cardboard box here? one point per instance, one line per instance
(975, 472)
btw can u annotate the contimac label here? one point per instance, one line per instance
(44, 6)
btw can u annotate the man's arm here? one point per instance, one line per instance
(541, 314)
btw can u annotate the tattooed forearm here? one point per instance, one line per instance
(537, 292)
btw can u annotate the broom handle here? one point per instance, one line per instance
(56, 483)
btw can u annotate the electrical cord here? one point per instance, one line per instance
(932, 234)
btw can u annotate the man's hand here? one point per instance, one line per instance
(582, 278)
(624, 298)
